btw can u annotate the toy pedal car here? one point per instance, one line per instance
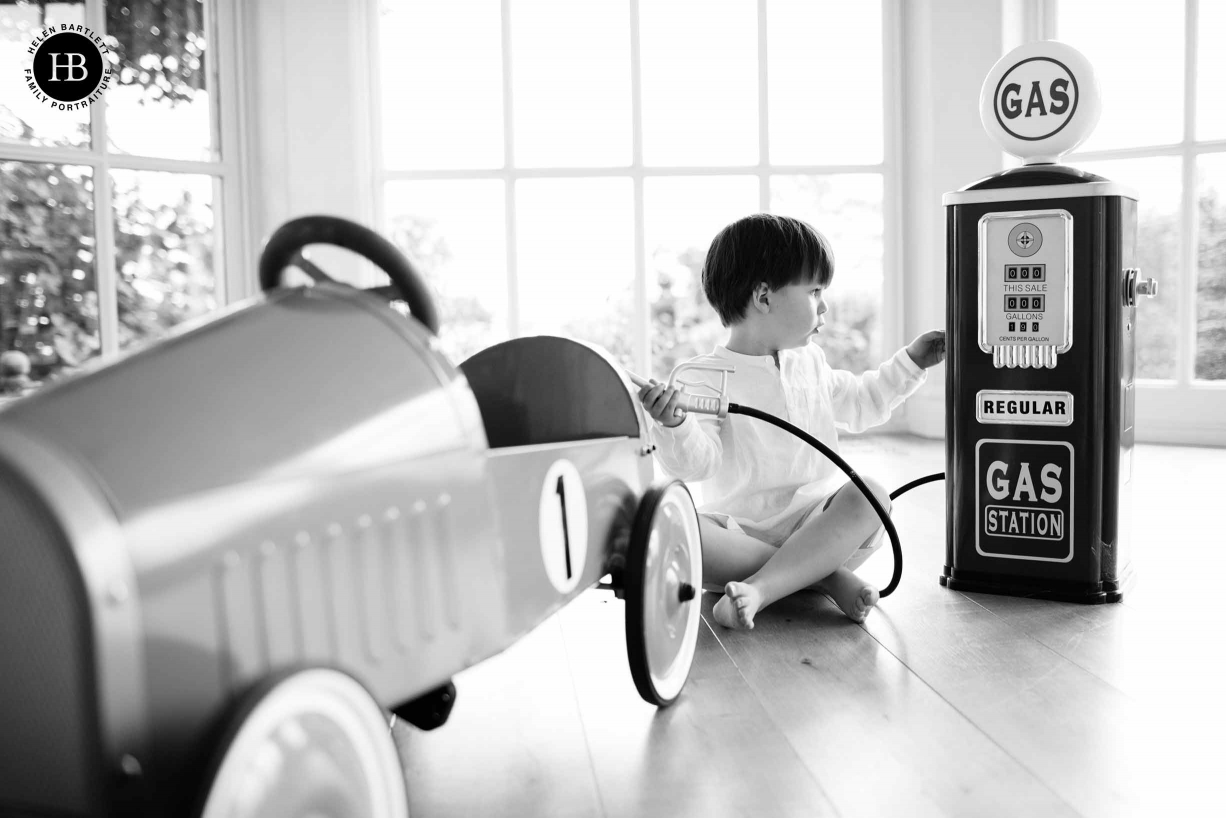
(223, 556)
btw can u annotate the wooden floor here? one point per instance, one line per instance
(943, 703)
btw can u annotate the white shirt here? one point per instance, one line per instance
(762, 477)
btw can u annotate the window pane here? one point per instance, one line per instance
(1157, 183)
(1211, 70)
(454, 232)
(163, 251)
(48, 290)
(159, 103)
(441, 77)
(576, 260)
(571, 73)
(22, 117)
(847, 210)
(700, 82)
(1136, 48)
(682, 216)
(825, 82)
(1211, 278)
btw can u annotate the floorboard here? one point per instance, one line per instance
(879, 739)
(514, 745)
(716, 751)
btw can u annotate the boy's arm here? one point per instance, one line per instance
(864, 401)
(690, 451)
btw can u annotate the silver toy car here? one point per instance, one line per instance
(224, 557)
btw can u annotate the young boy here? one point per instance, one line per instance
(778, 516)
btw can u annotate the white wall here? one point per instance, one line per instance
(948, 48)
(309, 108)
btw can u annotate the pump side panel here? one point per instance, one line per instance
(1121, 390)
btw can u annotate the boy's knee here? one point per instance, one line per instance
(880, 491)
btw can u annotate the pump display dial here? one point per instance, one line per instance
(1025, 287)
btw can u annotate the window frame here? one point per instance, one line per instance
(891, 317)
(228, 117)
(1185, 409)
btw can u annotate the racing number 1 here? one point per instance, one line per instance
(565, 527)
(563, 536)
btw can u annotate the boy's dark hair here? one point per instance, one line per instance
(779, 250)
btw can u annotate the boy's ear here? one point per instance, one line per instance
(761, 296)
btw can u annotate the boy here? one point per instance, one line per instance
(778, 516)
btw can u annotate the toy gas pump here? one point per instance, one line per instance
(1041, 329)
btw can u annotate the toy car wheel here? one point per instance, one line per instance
(662, 581)
(313, 743)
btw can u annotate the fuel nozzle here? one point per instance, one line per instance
(713, 404)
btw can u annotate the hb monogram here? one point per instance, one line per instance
(75, 62)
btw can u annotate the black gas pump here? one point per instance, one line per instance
(1041, 328)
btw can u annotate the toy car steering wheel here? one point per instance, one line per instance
(283, 249)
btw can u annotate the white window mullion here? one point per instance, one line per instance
(1045, 20)
(238, 207)
(1210, 146)
(1185, 345)
(1020, 23)
(893, 321)
(508, 163)
(37, 154)
(362, 70)
(1140, 152)
(623, 171)
(764, 156)
(227, 240)
(212, 31)
(125, 161)
(641, 347)
(374, 143)
(105, 277)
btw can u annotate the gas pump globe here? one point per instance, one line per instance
(1041, 327)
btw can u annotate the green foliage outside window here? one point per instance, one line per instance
(48, 293)
(1211, 291)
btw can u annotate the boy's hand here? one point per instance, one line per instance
(660, 401)
(928, 349)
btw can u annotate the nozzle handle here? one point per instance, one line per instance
(703, 404)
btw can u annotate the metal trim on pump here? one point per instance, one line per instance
(1026, 355)
(1015, 194)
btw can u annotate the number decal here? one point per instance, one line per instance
(563, 525)
(565, 528)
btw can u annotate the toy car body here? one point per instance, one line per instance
(302, 481)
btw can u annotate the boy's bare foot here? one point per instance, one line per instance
(737, 607)
(854, 596)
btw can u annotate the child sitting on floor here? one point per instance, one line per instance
(779, 516)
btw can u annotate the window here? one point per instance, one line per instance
(111, 216)
(562, 167)
(1163, 133)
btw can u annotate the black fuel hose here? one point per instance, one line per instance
(855, 478)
